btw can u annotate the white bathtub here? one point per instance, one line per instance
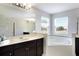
(59, 40)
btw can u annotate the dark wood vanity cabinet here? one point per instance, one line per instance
(25, 48)
(77, 46)
(30, 48)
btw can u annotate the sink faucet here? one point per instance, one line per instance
(2, 38)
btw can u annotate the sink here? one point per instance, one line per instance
(20, 37)
(23, 38)
(2, 38)
(5, 42)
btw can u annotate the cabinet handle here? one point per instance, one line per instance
(10, 54)
(27, 51)
(27, 48)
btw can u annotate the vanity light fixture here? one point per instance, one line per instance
(26, 6)
(30, 19)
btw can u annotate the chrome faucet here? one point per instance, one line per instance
(2, 38)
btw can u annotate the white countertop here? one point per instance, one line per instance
(21, 38)
(77, 36)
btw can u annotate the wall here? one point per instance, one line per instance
(10, 14)
(5, 26)
(72, 19)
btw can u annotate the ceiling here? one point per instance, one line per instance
(53, 8)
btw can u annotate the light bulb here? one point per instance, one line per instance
(17, 4)
(24, 4)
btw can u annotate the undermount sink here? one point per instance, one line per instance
(2, 38)
(20, 37)
(5, 42)
(23, 38)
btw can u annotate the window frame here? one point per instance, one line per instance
(62, 25)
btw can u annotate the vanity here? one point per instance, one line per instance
(25, 45)
(77, 45)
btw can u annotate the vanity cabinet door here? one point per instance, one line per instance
(6, 51)
(32, 51)
(77, 46)
(40, 47)
(21, 49)
(32, 48)
(21, 52)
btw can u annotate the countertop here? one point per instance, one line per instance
(22, 38)
(77, 36)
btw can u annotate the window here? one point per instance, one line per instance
(44, 24)
(61, 26)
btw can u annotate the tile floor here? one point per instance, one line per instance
(59, 51)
